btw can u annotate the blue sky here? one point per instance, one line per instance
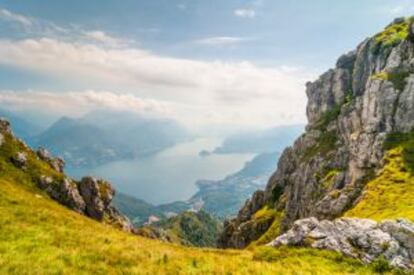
(206, 63)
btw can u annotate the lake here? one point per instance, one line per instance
(169, 175)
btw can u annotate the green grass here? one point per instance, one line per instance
(325, 144)
(273, 231)
(40, 236)
(398, 79)
(328, 116)
(329, 178)
(394, 34)
(391, 193)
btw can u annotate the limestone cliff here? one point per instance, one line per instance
(352, 110)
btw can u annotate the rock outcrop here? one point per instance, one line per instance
(351, 110)
(90, 196)
(358, 238)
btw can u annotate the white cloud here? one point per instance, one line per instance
(197, 92)
(80, 103)
(245, 13)
(222, 40)
(102, 37)
(14, 17)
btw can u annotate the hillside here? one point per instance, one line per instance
(189, 228)
(39, 235)
(354, 160)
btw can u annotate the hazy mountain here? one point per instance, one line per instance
(101, 137)
(265, 141)
(20, 126)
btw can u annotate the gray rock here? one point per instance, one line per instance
(359, 238)
(5, 126)
(58, 164)
(44, 182)
(20, 160)
(66, 193)
(351, 110)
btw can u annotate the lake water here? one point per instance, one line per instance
(169, 175)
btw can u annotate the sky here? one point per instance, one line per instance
(234, 64)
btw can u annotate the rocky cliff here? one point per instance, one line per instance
(354, 111)
(90, 197)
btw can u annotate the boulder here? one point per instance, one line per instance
(20, 160)
(5, 126)
(359, 238)
(58, 164)
(66, 193)
(97, 194)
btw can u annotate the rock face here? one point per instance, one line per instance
(358, 238)
(351, 110)
(90, 196)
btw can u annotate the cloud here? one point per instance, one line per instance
(79, 103)
(245, 13)
(102, 37)
(14, 17)
(222, 40)
(196, 92)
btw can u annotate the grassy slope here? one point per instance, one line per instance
(40, 236)
(391, 193)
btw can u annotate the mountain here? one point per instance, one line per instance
(22, 127)
(188, 228)
(136, 209)
(347, 183)
(266, 141)
(225, 197)
(48, 230)
(100, 137)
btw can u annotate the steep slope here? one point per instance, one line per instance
(188, 228)
(41, 235)
(357, 150)
(89, 196)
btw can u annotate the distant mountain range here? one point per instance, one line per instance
(275, 139)
(102, 136)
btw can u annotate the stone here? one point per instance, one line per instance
(351, 110)
(58, 164)
(44, 182)
(359, 238)
(67, 193)
(20, 160)
(5, 126)
(1, 139)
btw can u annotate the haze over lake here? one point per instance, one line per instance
(169, 175)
